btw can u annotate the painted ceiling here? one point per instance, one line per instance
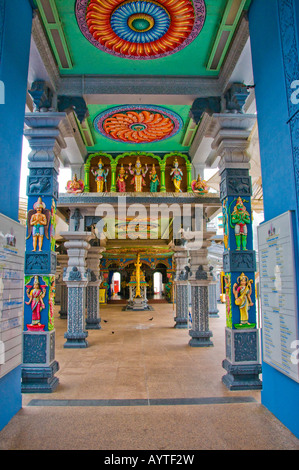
(141, 128)
(140, 37)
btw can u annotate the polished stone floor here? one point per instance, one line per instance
(140, 386)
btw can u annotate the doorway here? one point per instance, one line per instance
(158, 285)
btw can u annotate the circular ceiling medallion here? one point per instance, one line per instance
(140, 29)
(138, 124)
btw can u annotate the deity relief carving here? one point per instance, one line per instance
(38, 220)
(239, 219)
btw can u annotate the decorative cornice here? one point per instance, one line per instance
(41, 42)
(143, 85)
(239, 41)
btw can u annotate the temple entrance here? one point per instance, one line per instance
(158, 285)
(116, 286)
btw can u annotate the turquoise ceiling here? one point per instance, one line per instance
(193, 37)
(84, 58)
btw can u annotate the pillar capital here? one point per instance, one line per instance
(231, 133)
(77, 247)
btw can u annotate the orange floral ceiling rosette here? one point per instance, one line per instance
(140, 29)
(138, 124)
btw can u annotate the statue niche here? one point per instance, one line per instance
(100, 175)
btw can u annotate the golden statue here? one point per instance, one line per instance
(138, 265)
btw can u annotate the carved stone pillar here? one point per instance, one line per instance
(93, 319)
(181, 287)
(76, 277)
(242, 362)
(63, 262)
(213, 310)
(39, 364)
(199, 280)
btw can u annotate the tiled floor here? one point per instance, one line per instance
(139, 385)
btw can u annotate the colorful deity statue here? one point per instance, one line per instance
(154, 180)
(38, 220)
(199, 186)
(75, 186)
(239, 220)
(139, 174)
(242, 291)
(121, 180)
(177, 176)
(101, 177)
(36, 295)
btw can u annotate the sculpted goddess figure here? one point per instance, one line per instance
(177, 175)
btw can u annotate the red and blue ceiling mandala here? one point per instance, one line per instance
(142, 29)
(138, 124)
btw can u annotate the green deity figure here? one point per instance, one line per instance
(239, 219)
(154, 180)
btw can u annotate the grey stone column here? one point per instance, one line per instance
(93, 319)
(63, 262)
(199, 280)
(181, 287)
(76, 278)
(213, 310)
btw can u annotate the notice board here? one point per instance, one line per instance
(279, 295)
(12, 253)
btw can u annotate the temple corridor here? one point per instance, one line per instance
(139, 385)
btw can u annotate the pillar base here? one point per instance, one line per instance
(242, 377)
(40, 379)
(93, 324)
(76, 341)
(214, 314)
(200, 339)
(181, 322)
(62, 315)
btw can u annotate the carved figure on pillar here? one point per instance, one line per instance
(36, 295)
(239, 220)
(75, 186)
(242, 291)
(38, 220)
(101, 177)
(139, 174)
(177, 176)
(121, 180)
